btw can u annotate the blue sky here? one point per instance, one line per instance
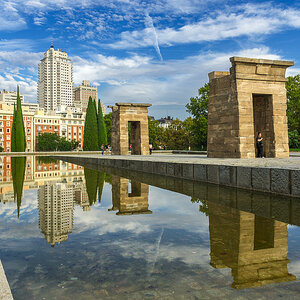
(144, 51)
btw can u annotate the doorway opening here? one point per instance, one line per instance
(134, 131)
(263, 233)
(263, 122)
(134, 189)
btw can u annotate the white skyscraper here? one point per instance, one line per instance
(55, 86)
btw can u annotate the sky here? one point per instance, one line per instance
(157, 52)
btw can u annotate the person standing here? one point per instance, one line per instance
(150, 148)
(259, 145)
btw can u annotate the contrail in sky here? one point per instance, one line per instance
(149, 24)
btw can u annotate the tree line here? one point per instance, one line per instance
(190, 133)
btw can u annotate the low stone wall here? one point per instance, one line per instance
(273, 180)
(269, 205)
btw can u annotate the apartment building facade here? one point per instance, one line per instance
(67, 124)
(10, 97)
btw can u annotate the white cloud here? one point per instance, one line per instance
(135, 78)
(140, 79)
(10, 19)
(247, 20)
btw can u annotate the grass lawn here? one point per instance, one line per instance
(294, 150)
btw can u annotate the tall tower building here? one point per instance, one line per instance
(55, 85)
(56, 205)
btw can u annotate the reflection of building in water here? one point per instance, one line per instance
(255, 248)
(129, 198)
(56, 211)
(59, 185)
(37, 173)
(81, 197)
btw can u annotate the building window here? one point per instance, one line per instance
(8, 130)
(8, 123)
(45, 127)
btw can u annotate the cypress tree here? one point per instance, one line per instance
(90, 137)
(102, 135)
(13, 132)
(20, 138)
(95, 106)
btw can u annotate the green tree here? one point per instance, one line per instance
(74, 144)
(155, 133)
(48, 141)
(107, 121)
(18, 138)
(294, 139)
(198, 108)
(102, 135)
(18, 166)
(64, 145)
(90, 142)
(13, 132)
(176, 136)
(293, 102)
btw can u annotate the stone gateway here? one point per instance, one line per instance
(251, 98)
(137, 115)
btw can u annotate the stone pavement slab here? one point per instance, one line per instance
(5, 292)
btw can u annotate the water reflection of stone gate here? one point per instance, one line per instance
(254, 247)
(137, 115)
(129, 197)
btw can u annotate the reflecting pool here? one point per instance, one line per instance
(72, 232)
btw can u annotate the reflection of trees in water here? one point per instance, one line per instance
(47, 160)
(94, 182)
(18, 166)
(203, 207)
(101, 179)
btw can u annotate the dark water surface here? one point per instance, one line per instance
(84, 234)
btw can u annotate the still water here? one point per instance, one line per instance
(69, 232)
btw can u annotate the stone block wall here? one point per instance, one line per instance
(249, 99)
(137, 115)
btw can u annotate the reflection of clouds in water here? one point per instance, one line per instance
(294, 267)
(172, 202)
(28, 210)
(190, 254)
(165, 205)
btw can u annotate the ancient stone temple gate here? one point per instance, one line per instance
(137, 115)
(251, 98)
